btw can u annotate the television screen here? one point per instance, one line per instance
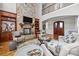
(27, 19)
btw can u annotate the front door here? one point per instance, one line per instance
(58, 29)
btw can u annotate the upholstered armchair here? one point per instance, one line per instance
(17, 36)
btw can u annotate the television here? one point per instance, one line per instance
(27, 19)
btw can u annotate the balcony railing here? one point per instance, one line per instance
(50, 7)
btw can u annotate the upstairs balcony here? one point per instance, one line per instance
(50, 7)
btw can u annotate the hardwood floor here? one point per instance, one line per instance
(4, 50)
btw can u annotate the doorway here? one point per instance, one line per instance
(58, 29)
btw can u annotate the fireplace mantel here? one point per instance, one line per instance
(27, 25)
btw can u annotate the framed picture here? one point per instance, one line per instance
(8, 26)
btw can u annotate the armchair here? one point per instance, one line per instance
(17, 36)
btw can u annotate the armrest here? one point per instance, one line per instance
(46, 51)
(61, 38)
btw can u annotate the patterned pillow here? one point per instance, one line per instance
(70, 38)
(66, 39)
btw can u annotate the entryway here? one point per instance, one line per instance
(58, 29)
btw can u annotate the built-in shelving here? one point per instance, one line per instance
(37, 31)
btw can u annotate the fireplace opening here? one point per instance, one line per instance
(27, 31)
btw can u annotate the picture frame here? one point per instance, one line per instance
(8, 26)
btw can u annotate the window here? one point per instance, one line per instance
(55, 25)
(61, 25)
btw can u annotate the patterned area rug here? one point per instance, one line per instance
(29, 50)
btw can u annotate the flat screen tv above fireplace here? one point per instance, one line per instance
(27, 19)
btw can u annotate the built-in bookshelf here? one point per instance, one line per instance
(37, 31)
(8, 24)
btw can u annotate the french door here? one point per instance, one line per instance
(58, 29)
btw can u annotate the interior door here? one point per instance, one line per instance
(58, 29)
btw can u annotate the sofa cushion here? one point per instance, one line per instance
(74, 51)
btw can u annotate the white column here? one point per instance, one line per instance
(40, 16)
(78, 23)
(47, 27)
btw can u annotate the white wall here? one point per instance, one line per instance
(10, 7)
(69, 24)
(66, 11)
(49, 27)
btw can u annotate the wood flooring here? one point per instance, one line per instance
(4, 50)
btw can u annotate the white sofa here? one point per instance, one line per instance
(65, 49)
